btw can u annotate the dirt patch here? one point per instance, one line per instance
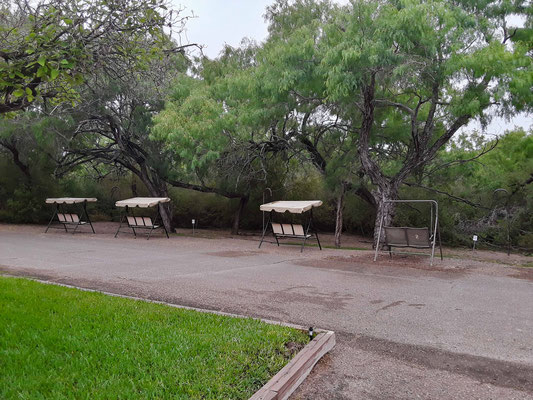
(302, 294)
(233, 253)
(483, 369)
(364, 263)
(293, 348)
(523, 273)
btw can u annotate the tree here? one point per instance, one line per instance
(199, 127)
(411, 74)
(47, 48)
(112, 125)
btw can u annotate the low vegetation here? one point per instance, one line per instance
(57, 342)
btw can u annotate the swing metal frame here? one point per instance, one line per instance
(156, 223)
(307, 229)
(59, 210)
(434, 233)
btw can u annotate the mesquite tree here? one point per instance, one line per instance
(48, 47)
(411, 74)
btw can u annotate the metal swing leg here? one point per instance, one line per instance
(56, 210)
(440, 244)
(318, 240)
(307, 231)
(312, 228)
(87, 216)
(121, 219)
(379, 238)
(265, 229)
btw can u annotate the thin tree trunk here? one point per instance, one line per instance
(16, 159)
(338, 219)
(384, 210)
(238, 215)
(134, 186)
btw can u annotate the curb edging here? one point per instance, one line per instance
(286, 381)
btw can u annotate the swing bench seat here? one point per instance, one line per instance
(141, 223)
(402, 237)
(70, 219)
(289, 231)
(418, 238)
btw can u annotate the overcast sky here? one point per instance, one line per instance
(220, 22)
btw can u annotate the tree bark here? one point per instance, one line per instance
(158, 188)
(338, 219)
(384, 210)
(166, 216)
(16, 159)
(238, 214)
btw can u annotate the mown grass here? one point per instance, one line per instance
(58, 343)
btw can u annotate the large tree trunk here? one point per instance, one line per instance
(158, 188)
(338, 218)
(238, 215)
(384, 211)
(166, 216)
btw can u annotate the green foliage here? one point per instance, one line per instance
(48, 47)
(89, 345)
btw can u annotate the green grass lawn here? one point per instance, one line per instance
(58, 343)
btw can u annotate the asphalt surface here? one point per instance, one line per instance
(459, 330)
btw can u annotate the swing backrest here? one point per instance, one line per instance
(407, 237)
(277, 228)
(140, 221)
(68, 218)
(288, 229)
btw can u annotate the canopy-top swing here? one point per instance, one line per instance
(73, 219)
(145, 222)
(294, 231)
(409, 237)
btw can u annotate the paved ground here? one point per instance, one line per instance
(462, 329)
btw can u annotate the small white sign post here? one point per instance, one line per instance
(193, 224)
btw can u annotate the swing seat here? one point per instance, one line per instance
(289, 231)
(418, 238)
(141, 223)
(70, 219)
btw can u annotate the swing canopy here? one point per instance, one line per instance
(142, 202)
(294, 207)
(70, 200)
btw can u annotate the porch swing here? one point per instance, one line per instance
(411, 237)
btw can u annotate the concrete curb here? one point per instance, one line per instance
(281, 385)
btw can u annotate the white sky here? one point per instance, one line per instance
(220, 22)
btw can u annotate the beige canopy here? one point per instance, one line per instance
(294, 207)
(71, 200)
(143, 202)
